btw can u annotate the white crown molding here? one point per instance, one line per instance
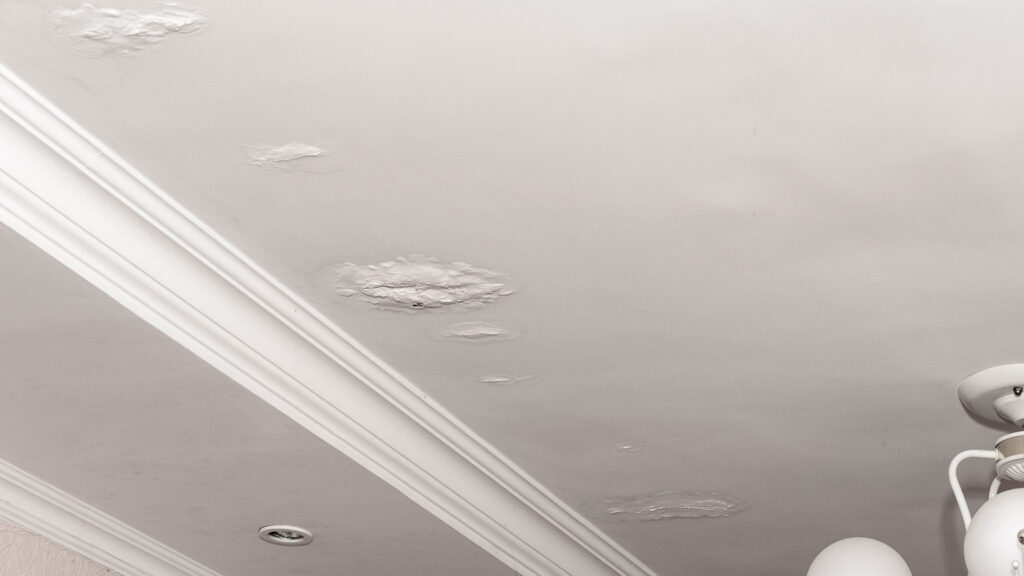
(43, 509)
(86, 207)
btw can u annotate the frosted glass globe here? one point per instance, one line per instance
(991, 545)
(858, 557)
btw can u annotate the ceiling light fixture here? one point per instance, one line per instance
(994, 543)
(284, 535)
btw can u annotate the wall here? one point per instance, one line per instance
(23, 553)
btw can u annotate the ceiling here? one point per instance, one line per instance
(762, 240)
(106, 408)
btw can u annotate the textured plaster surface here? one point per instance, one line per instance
(24, 553)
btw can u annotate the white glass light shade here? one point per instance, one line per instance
(991, 545)
(859, 557)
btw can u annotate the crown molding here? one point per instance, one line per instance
(43, 509)
(77, 200)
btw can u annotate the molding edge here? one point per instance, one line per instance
(40, 508)
(82, 204)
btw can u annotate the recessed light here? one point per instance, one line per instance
(284, 535)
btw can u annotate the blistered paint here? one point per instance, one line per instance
(506, 379)
(92, 31)
(415, 283)
(631, 447)
(284, 157)
(477, 331)
(671, 504)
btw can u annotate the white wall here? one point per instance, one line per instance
(23, 553)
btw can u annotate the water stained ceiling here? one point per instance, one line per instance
(739, 252)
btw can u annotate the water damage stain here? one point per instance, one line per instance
(94, 32)
(476, 331)
(669, 504)
(415, 283)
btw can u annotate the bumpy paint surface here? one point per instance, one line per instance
(671, 504)
(416, 283)
(476, 332)
(285, 157)
(506, 379)
(631, 447)
(23, 553)
(94, 32)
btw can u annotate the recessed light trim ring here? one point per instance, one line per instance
(286, 535)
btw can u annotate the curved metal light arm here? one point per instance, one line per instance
(954, 483)
(994, 488)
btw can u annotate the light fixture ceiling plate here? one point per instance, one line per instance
(980, 392)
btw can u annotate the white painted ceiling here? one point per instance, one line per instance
(765, 239)
(101, 405)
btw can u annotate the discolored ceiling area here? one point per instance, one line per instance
(727, 258)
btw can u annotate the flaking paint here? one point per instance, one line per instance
(670, 504)
(476, 331)
(415, 283)
(94, 31)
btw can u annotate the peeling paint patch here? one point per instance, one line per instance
(631, 447)
(415, 283)
(285, 157)
(671, 504)
(506, 379)
(94, 32)
(476, 332)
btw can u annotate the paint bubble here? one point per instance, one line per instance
(670, 504)
(506, 379)
(94, 32)
(286, 157)
(416, 283)
(475, 332)
(631, 447)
